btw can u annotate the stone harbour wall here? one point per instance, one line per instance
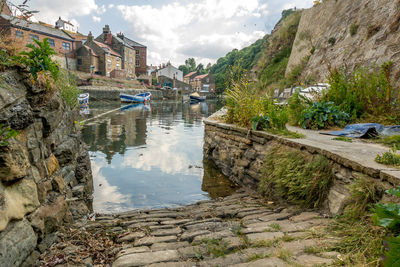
(45, 173)
(240, 154)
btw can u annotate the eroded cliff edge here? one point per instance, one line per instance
(45, 174)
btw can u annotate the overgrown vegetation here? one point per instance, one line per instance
(6, 133)
(353, 29)
(387, 215)
(38, 59)
(343, 138)
(392, 141)
(322, 115)
(67, 85)
(299, 178)
(389, 158)
(365, 94)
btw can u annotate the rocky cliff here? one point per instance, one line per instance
(347, 33)
(45, 175)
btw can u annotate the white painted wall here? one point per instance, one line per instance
(171, 72)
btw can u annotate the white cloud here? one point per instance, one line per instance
(206, 29)
(96, 19)
(101, 10)
(111, 6)
(51, 10)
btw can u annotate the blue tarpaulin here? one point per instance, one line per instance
(366, 130)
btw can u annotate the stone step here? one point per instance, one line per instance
(146, 258)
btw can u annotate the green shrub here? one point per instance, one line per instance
(353, 29)
(387, 215)
(296, 104)
(332, 41)
(39, 59)
(322, 115)
(392, 141)
(5, 134)
(343, 138)
(365, 94)
(67, 85)
(389, 158)
(260, 122)
(296, 177)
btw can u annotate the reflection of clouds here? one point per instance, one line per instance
(107, 198)
(167, 152)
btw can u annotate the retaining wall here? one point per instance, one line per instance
(240, 154)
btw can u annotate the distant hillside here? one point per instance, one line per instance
(267, 58)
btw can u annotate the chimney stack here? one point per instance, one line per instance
(89, 37)
(107, 35)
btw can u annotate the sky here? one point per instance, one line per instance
(173, 30)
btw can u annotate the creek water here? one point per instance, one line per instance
(150, 156)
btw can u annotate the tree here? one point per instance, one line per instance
(184, 69)
(200, 67)
(191, 64)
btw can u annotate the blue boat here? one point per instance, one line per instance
(137, 106)
(139, 98)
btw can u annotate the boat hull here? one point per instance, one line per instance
(139, 98)
(196, 98)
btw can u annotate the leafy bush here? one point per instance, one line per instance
(389, 158)
(260, 122)
(392, 141)
(332, 41)
(295, 176)
(39, 59)
(296, 104)
(67, 85)
(365, 94)
(387, 215)
(6, 133)
(322, 115)
(242, 102)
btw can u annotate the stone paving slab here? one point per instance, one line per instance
(213, 233)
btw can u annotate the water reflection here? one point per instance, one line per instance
(150, 156)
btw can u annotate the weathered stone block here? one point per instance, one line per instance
(14, 162)
(16, 243)
(17, 200)
(52, 164)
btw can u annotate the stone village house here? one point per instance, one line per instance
(25, 32)
(204, 83)
(105, 60)
(121, 46)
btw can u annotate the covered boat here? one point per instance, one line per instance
(139, 98)
(196, 97)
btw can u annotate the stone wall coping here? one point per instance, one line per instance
(358, 155)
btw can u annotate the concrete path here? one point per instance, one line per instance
(239, 230)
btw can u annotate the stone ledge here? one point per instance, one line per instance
(358, 156)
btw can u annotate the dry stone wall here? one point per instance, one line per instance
(45, 174)
(240, 154)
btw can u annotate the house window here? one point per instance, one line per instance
(137, 63)
(109, 63)
(19, 34)
(117, 66)
(79, 61)
(208, 80)
(118, 59)
(108, 74)
(137, 52)
(131, 60)
(125, 58)
(33, 37)
(51, 42)
(66, 46)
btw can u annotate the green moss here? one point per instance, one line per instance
(344, 139)
(296, 177)
(353, 29)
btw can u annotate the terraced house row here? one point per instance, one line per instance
(114, 56)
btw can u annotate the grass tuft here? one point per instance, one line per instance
(344, 139)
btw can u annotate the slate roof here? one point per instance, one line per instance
(36, 27)
(92, 51)
(106, 47)
(132, 43)
(122, 41)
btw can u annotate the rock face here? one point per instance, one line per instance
(38, 168)
(351, 33)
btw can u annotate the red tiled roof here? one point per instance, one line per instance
(89, 49)
(199, 77)
(190, 74)
(112, 52)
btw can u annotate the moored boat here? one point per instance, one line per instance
(197, 97)
(139, 98)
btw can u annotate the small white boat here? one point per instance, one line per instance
(83, 100)
(139, 98)
(196, 97)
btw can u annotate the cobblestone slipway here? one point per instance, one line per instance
(239, 230)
